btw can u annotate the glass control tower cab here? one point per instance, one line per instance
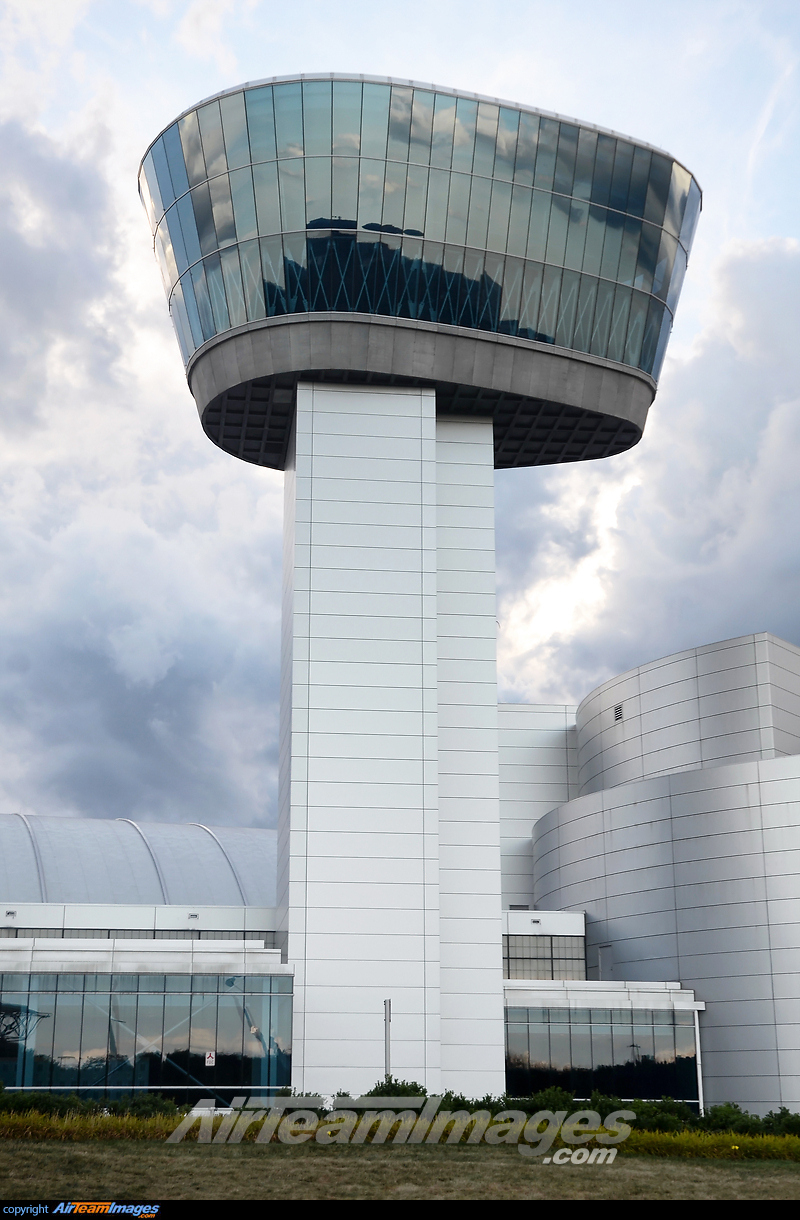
(389, 290)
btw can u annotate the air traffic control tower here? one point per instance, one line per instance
(389, 291)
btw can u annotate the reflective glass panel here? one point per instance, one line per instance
(347, 118)
(506, 150)
(94, 1039)
(539, 1045)
(421, 127)
(259, 1046)
(375, 120)
(527, 143)
(584, 164)
(40, 1026)
(565, 159)
(546, 154)
(332, 138)
(517, 1045)
(234, 130)
(485, 139)
(444, 118)
(166, 190)
(175, 1054)
(590, 1053)
(230, 1035)
(203, 1036)
(261, 123)
(602, 1050)
(192, 145)
(288, 120)
(177, 165)
(122, 1039)
(14, 1020)
(212, 140)
(464, 134)
(399, 123)
(149, 1046)
(581, 1047)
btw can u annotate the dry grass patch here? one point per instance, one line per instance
(140, 1170)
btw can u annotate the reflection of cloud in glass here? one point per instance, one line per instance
(508, 184)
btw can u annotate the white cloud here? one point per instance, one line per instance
(201, 31)
(701, 544)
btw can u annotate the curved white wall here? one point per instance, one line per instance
(736, 700)
(696, 877)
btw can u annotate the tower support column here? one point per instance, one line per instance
(359, 869)
(473, 1051)
(389, 786)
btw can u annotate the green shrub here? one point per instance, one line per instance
(730, 1117)
(142, 1105)
(46, 1103)
(390, 1087)
(781, 1123)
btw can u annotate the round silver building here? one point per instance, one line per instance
(389, 290)
(682, 846)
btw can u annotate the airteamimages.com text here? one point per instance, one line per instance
(407, 1120)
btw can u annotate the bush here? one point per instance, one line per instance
(781, 1123)
(390, 1087)
(46, 1103)
(730, 1117)
(667, 1117)
(142, 1105)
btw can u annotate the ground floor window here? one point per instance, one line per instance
(118, 1033)
(635, 1052)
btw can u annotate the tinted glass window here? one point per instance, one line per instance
(368, 165)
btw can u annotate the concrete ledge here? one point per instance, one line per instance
(600, 406)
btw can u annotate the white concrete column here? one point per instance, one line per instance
(473, 1055)
(359, 868)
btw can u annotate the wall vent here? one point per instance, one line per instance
(617, 713)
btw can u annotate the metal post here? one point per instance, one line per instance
(699, 1061)
(387, 1039)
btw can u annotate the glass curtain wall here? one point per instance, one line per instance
(111, 1034)
(389, 199)
(628, 1053)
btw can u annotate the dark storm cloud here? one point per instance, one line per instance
(139, 566)
(54, 224)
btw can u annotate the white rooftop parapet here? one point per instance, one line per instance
(592, 993)
(544, 923)
(44, 955)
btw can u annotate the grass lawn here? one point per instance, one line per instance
(139, 1170)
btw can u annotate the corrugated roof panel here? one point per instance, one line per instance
(254, 857)
(194, 867)
(104, 861)
(19, 875)
(93, 860)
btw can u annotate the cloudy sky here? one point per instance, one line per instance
(139, 565)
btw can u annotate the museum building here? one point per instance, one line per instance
(389, 291)
(649, 844)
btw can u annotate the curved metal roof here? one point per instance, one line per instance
(54, 859)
